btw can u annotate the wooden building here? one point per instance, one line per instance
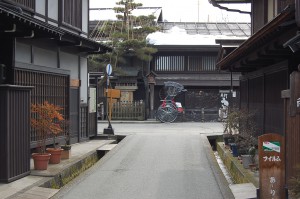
(269, 62)
(194, 66)
(44, 49)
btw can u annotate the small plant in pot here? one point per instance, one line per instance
(231, 125)
(44, 122)
(55, 152)
(246, 138)
(252, 153)
(66, 153)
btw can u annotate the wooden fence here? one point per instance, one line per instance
(15, 132)
(88, 124)
(128, 111)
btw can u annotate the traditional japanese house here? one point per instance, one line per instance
(269, 62)
(194, 66)
(43, 57)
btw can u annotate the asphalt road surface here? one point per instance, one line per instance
(155, 161)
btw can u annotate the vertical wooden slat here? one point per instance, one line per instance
(14, 134)
(292, 142)
(72, 12)
(25, 3)
(297, 8)
(128, 110)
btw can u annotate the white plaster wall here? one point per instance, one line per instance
(84, 80)
(40, 7)
(53, 9)
(43, 57)
(70, 62)
(23, 53)
(85, 11)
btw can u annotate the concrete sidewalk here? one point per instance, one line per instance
(29, 186)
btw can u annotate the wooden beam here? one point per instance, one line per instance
(75, 83)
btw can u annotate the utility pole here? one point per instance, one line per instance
(198, 11)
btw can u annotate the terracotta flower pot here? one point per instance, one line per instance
(66, 153)
(41, 160)
(55, 155)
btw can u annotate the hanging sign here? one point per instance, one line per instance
(271, 166)
(108, 69)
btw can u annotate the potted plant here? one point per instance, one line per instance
(252, 153)
(56, 151)
(248, 159)
(294, 184)
(231, 124)
(246, 136)
(66, 153)
(44, 121)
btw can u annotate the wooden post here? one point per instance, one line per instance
(271, 149)
(297, 8)
(110, 107)
(295, 93)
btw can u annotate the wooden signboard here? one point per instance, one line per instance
(75, 82)
(113, 93)
(271, 149)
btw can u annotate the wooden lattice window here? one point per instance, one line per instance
(50, 87)
(72, 12)
(201, 63)
(29, 4)
(169, 63)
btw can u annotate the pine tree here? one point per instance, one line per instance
(127, 37)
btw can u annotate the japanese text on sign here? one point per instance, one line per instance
(272, 158)
(272, 191)
(271, 151)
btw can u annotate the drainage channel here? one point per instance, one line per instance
(212, 140)
(224, 169)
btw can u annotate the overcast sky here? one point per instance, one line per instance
(186, 10)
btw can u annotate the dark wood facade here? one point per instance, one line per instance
(292, 125)
(42, 47)
(15, 132)
(261, 91)
(267, 60)
(194, 68)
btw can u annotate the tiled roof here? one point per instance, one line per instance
(227, 29)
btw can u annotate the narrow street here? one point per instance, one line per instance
(154, 161)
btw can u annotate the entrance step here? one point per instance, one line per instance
(243, 191)
(106, 148)
(38, 193)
